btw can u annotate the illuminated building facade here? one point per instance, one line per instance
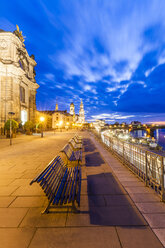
(17, 79)
(63, 119)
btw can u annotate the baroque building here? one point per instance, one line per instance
(17, 79)
(61, 118)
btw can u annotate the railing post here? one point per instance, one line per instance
(162, 180)
(146, 169)
(123, 153)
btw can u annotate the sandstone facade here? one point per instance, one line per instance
(17, 79)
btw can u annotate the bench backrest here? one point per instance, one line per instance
(73, 143)
(77, 140)
(60, 183)
(53, 164)
(67, 150)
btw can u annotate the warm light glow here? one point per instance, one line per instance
(60, 123)
(42, 118)
(67, 123)
(23, 116)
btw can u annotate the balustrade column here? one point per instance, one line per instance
(146, 169)
(162, 180)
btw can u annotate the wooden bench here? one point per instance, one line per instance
(62, 185)
(77, 139)
(74, 145)
(71, 154)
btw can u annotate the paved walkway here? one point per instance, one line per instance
(109, 217)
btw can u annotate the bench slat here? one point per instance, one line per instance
(58, 194)
(56, 184)
(75, 184)
(48, 177)
(79, 188)
(70, 193)
(65, 189)
(69, 186)
(48, 167)
(60, 183)
(48, 181)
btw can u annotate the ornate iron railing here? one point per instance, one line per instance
(149, 166)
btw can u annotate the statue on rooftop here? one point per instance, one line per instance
(18, 33)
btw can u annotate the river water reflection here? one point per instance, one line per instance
(159, 135)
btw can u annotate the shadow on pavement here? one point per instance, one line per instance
(93, 159)
(88, 145)
(108, 203)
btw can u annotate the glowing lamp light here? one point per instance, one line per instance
(42, 118)
(67, 123)
(60, 123)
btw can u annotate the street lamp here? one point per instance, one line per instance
(42, 120)
(10, 116)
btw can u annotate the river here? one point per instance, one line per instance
(159, 135)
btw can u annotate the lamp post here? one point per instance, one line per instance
(10, 115)
(42, 120)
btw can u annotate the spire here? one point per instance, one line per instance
(56, 109)
(81, 113)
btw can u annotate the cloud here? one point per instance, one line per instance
(116, 51)
(7, 25)
(96, 45)
(50, 76)
(113, 116)
(87, 87)
(42, 83)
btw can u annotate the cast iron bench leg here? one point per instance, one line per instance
(74, 209)
(46, 210)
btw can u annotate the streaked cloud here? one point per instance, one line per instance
(109, 53)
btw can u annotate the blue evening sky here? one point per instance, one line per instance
(109, 53)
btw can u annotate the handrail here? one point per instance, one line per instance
(149, 166)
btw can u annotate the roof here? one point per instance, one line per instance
(49, 112)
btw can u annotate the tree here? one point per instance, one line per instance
(14, 126)
(28, 126)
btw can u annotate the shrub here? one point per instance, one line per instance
(14, 125)
(28, 126)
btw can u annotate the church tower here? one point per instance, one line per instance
(72, 111)
(56, 109)
(81, 113)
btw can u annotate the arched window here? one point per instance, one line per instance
(22, 94)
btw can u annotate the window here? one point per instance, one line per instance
(20, 63)
(22, 94)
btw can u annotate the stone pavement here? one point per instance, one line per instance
(108, 218)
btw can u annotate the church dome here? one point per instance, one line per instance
(72, 104)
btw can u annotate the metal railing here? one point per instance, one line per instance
(149, 166)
